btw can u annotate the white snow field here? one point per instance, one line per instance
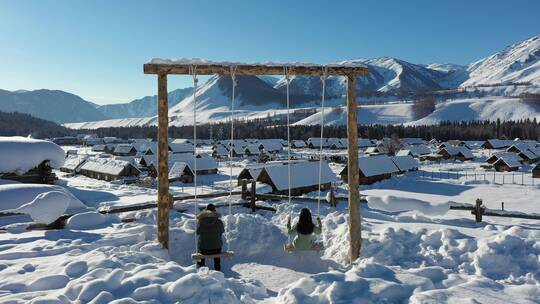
(415, 249)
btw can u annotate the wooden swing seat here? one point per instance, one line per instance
(199, 256)
(315, 247)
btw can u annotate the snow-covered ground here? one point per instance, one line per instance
(414, 249)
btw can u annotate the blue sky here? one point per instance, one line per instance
(96, 48)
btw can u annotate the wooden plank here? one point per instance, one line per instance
(355, 234)
(206, 195)
(253, 69)
(199, 256)
(163, 159)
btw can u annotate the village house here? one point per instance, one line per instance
(405, 163)
(495, 157)
(73, 163)
(457, 153)
(298, 144)
(525, 151)
(108, 169)
(414, 151)
(505, 163)
(497, 144)
(205, 163)
(304, 177)
(251, 150)
(181, 147)
(124, 150)
(372, 169)
(316, 142)
(362, 142)
(181, 172)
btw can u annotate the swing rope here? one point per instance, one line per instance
(287, 83)
(231, 141)
(193, 72)
(323, 79)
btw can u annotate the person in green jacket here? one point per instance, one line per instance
(303, 231)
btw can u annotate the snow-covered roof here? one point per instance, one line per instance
(506, 155)
(457, 150)
(123, 148)
(298, 143)
(98, 148)
(205, 62)
(510, 161)
(72, 162)
(415, 150)
(178, 168)
(20, 154)
(500, 143)
(106, 165)
(271, 145)
(181, 147)
(405, 163)
(204, 161)
(413, 141)
(302, 174)
(376, 165)
(253, 148)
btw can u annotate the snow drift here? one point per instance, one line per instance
(20, 154)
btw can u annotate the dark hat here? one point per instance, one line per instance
(211, 207)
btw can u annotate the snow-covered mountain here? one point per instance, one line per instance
(511, 72)
(469, 109)
(143, 107)
(518, 63)
(54, 105)
(387, 75)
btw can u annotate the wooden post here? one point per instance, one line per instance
(478, 210)
(355, 236)
(253, 194)
(244, 189)
(163, 159)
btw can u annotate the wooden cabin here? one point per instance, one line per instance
(205, 163)
(73, 163)
(181, 147)
(526, 152)
(298, 144)
(108, 169)
(304, 177)
(251, 150)
(124, 150)
(181, 172)
(250, 172)
(372, 169)
(456, 153)
(405, 163)
(506, 164)
(496, 144)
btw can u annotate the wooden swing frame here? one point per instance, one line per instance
(164, 68)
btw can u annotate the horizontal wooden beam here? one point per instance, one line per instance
(254, 69)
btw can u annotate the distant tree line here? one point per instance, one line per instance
(19, 124)
(261, 128)
(12, 124)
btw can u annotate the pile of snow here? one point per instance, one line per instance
(137, 276)
(46, 207)
(15, 195)
(20, 154)
(90, 220)
(396, 204)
